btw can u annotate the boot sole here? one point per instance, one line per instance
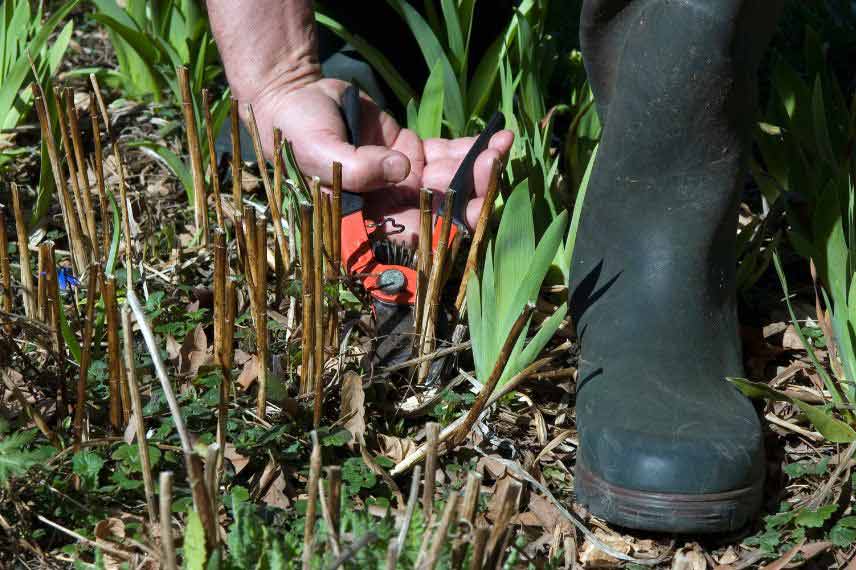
(667, 512)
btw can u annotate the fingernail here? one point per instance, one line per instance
(395, 168)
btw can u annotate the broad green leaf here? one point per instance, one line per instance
(758, 390)
(378, 61)
(829, 426)
(814, 518)
(515, 242)
(474, 315)
(579, 203)
(821, 131)
(528, 354)
(412, 115)
(430, 118)
(433, 52)
(18, 73)
(194, 543)
(455, 37)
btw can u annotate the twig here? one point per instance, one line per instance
(212, 157)
(499, 531)
(114, 363)
(478, 235)
(79, 157)
(311, 507)
(432, 433)
(466, 345)
(72, 223)
(261, 313)
(167, 542)
(33, 413)
(98, 167)
(86, 352)
(479, 543)
(100, 544)
(5, 265)
(200, 214)
(467, 512)
(412, 500)
(307, 378)
(419, 454)
(435, 288)
(423, 267)
(368, 538)
(318, 299)
(27, 291)
(139, 423)
(332, 531)
(334, 498)
(495, 375)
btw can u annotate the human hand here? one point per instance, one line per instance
(389, 167)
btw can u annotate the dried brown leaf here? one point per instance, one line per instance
(352, 411)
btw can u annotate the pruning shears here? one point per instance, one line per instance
(393, 287)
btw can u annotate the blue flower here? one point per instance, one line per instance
(66, 278)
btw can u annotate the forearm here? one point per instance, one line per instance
(266, 45)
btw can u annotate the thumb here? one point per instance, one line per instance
(363, 168)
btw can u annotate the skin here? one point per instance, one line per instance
(270, 54)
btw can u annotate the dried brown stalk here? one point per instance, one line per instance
(432, 434)
(5, 265)
(200, 204)
(480, 538)
(237, 161)
(224, 329)
(114, 362)
(478, 235)
(438, 541)
(72, 222)
(496, 545)
(435, 288)
(126, 220)
(52, 311)
(139, 423)
(274, 197)
(307, 384)
(167, 541)
(490, 384)
(467, 512)
(80, 160)
(318, 298)
(311, 506)
(98, 167)
(250, 265)
(86, 352)
(27, 290)
(327, 226)
(334, 495)
(424, 258)
(42, 309)
(212, 157)
(336, 229)
(70, 160)
(261, 313)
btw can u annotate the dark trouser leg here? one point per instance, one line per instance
(665, 442)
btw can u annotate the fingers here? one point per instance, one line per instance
(456, 149)
(363, 169)
(437, 175)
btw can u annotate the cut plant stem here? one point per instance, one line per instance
(261, 313)
(5, 266)
(480, 538)
(167, 541)
(435, 288)
(224, 331)
(80, 160)
(114, 363)
(250, 265)
(98, 167)
(126, 221)
(72, 222)
(334, 495)
(336, 218)
(467, 512)
(432, 433)
(52, 308)
(86, 352)
(70, 162)
(200, 204)
(423, 267)
(496, 545)
(478, 236)
(237, 161)
(139, 423)
(412, 499)
(307, 385)
(311, 506)
(438, 541)
(490, 384)
(27, 290)
(274, 198)
(212, 157)
(318, 297)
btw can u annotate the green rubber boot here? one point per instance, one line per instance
(666, 443)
